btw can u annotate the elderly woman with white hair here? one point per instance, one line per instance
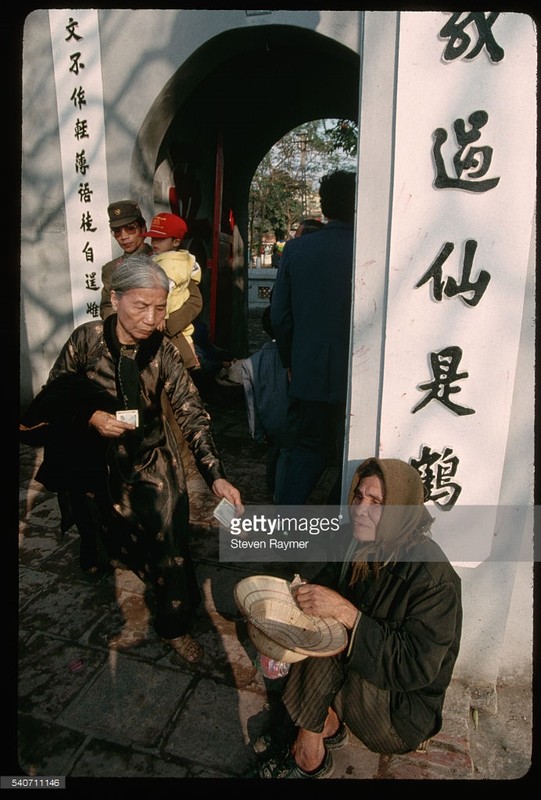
(110, 455)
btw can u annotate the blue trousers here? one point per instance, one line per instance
(315, 439)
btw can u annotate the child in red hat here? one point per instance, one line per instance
(167, 232)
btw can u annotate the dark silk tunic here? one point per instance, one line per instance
(136, 483)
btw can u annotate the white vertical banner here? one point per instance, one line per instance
(462, 226)
(79, 96)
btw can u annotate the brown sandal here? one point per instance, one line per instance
(187, 648)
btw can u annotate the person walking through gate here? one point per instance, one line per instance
(114, 464)
(128, 228)
(310, 316)
(167, 232)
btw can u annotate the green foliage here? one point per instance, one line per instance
(285, 186)
(343, 135)
(276, 199)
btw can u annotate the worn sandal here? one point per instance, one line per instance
(285, 766)
(339, 739)
(187, 648)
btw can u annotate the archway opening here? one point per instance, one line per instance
(285, 185)
(239, 94)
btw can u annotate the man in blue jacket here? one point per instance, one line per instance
(310, 314)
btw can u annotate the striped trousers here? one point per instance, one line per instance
(316, 684)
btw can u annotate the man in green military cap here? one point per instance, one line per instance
(128, 226)
(129, 229)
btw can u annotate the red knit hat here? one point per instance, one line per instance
(165, 225)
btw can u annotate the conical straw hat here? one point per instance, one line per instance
(269, 607)
(270, 648)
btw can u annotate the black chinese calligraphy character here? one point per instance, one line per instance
(81, 164)
(86, 222)
(90, 279)
(81, 129)
(450, 286)
(93, 309)
(473, 160)
(70, 27)
(436, 470)
(460, 41)
(88, 252)
(76, 63)
(78, 97)
(444, 368)
(85, 193)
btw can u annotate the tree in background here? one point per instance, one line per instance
(343, 135)
(285, 186)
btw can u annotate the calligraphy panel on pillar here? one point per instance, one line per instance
(79, 97)
(462, 226)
